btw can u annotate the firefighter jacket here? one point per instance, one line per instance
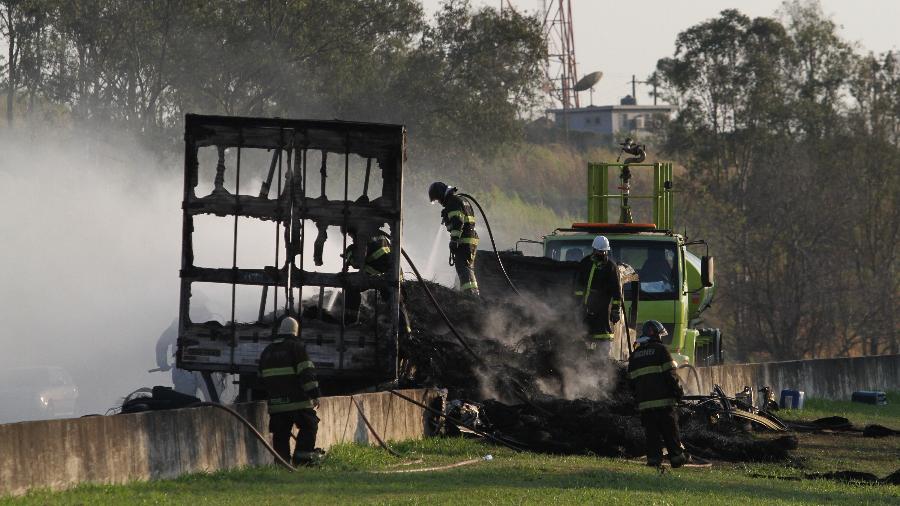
(378, 256)
(288, 375)
(651, 372)
(459, 219)
(597, 285)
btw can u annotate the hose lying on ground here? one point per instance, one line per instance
(493, 244)
(437, 468)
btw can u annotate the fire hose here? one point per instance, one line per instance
(694, 373)
(459, 337)
(252, 429)
(378, 438)
(440, 310)
(493, 244)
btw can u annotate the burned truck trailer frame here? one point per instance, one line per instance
(295, 151)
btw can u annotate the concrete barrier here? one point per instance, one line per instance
(58, 454)
(828, 378)
(392, 418)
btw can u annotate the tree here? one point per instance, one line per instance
(764, 129)
(21, 24)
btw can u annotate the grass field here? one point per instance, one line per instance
(859, 414)
(348, 475)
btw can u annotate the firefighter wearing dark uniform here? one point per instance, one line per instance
(598, 291)
(375, 262)
(459, 219)
(651, 372)
(289, 377)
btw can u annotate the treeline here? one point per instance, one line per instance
(791, 140)
(460, 79)
(788, 136)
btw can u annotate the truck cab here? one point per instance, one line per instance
(675, 285)
(671, 291)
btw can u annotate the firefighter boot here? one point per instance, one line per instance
(679, 460)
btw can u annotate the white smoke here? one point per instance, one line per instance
(579, 372)
(91, 255)
(91, 245)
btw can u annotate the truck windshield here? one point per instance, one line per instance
(654, 262)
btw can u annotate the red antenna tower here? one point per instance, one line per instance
(560, 69)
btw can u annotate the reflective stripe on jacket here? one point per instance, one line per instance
(460, 220)
(378, 255)
(651, 372)
(288, 376)
(596, 278)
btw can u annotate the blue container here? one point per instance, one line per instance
(792, 399)
(870, 397)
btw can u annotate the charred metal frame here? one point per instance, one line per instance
(290, 141)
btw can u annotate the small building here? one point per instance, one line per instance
(611, 119)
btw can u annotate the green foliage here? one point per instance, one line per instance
(462, 79)
(802, 179)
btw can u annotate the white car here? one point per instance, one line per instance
(36, 393)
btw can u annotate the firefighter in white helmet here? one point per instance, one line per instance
(289, 377)
(598, 291)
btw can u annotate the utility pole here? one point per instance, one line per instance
(634, 88)
(634, 82)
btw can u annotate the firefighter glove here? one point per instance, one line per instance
(615, 315)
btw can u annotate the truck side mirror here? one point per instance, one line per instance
(707, 271)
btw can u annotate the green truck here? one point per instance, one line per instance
(675, 284)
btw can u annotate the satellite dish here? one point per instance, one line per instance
(587, 82)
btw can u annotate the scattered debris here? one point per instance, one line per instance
(529, 383)
(841, 424)
(857, 477)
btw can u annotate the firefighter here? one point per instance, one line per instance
(459, 219)
(376, 261)
(289, 377)
(598, 291)
(651, 372)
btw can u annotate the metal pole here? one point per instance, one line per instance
(237, 205)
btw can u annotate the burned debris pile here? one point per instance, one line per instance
(508, 348)
(528, 381)
(583, 426)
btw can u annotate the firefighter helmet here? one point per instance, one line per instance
(600, 243)
(654, 330)
(437, 191)
(289, 327)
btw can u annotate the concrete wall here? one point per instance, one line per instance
(121, 448)
(392, 417)
(58, 454)
(830, 378)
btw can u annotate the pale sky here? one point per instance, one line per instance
(622, 38)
